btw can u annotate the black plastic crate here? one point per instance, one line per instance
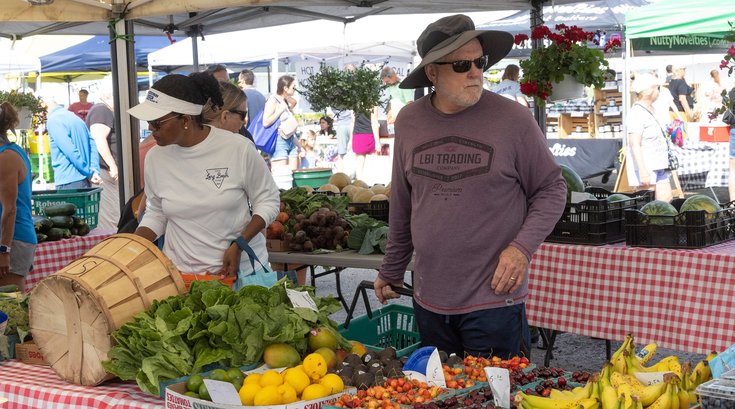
(377, 210)
(596, 222)
(688, 230)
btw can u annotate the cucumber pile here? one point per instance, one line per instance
(60, 222)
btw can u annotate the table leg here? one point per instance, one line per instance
(338, 283)
(548, 336)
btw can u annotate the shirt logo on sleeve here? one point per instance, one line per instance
(452, 158)
(217, 176)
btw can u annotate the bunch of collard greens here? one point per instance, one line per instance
(368, 235)
(212, 324)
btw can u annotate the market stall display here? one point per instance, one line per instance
(73, 312)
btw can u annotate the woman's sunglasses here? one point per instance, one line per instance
(156, 123)
(465, 65)
(242, 114)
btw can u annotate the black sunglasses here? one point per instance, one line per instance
(156, 123)
(465, 65)
(242, 114)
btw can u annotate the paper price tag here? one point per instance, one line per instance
(434, 372)
(222, 392)
(650, 378)
(499, 380)
(301, 299)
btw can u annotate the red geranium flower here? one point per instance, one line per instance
(520, 38)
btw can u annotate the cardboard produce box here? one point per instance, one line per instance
(175, 399)
(276, 245)
(714, 133)
(29, 353)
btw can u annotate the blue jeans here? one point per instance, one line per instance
(500, 331)
(285, 148)
(79, 184)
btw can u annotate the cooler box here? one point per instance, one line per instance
(714, 133)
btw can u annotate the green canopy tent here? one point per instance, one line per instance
(680, 27)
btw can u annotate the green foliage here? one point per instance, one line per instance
(21, 100)
(727, 63)
(17, 312)
(212, 324)
(358, 90)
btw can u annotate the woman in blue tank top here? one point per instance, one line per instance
(17, 235)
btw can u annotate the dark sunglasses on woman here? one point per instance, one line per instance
(462, 66)
(242, 114)
(156, 123)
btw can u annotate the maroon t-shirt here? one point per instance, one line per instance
(464, 187)
(80, 109)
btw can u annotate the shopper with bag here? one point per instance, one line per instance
(649, 148)
(200, 180)
(277, 108)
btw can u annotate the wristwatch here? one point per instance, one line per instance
(4, 249)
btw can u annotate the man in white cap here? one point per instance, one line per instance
(474, 192)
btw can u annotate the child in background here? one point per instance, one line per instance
(307, 154)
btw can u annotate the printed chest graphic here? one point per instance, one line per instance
(452, 158)
(217, 176)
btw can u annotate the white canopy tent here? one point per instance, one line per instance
(15, 60)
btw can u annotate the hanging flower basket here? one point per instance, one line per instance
(566, 54)
(567, 88)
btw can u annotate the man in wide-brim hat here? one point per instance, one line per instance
(475, 191)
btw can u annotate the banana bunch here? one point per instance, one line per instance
(626, 361)
(581, 397)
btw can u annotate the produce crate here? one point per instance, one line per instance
(86, 200)
(377, 210)
(311, 177)
(390, 326)
(688, 230)
(717, 394)
(596, 222)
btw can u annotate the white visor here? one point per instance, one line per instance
(157, 104)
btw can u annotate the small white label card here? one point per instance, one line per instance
(222, 392)
(434, 372)
(499, 379)
(650, 378)
(301, 299)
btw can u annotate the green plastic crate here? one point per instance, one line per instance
(311, 177)
(86, 200)
(393, 325)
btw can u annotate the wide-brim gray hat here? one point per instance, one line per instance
(448, 34)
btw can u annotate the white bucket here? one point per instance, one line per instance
(568, 88)
(283, 176)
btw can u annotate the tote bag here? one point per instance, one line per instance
(262, 275)
(264, 137)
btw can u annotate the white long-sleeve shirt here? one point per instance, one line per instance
(198, 196)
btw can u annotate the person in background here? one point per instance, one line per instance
(682, 93)
(647, 141)
(307, 154)
(326, 127)
(101, 124)
(17, 235)
(74, 154)
(232, 115)
(669, 75)
(365, 139)
(256, 100)
(729, 118)
(278, 107)
(467, 163)
(397, 98)
(200, 180)
(711, 93)
(82, 107)
(219, 72)
(509, 86)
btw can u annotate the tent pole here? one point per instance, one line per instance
(537, 19)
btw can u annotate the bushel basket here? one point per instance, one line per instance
(73, 312)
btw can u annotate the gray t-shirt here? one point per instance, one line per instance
(464, 187)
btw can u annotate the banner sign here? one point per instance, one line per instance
(698, 43)
(587, 157)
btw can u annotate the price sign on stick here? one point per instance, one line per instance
(499, 379)
(301, 299)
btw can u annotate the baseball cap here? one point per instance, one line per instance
(157, 104)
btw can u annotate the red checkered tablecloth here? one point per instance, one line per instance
(52, 256)
(38, 387)
(681, 299)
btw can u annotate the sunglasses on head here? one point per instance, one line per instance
(242, 114)
(461, 66)
(156, 123)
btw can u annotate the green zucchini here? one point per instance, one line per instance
(63, 222)
(40, 237)
(61, 209)
(56, 233)
(42, 224)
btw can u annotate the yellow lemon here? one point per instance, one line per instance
(297, 378)
(332, 382)
(315, 391)
(268, 395)
(315, 366)
(248, 392)
(288, 394)
(252, 378)
(271, 377)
